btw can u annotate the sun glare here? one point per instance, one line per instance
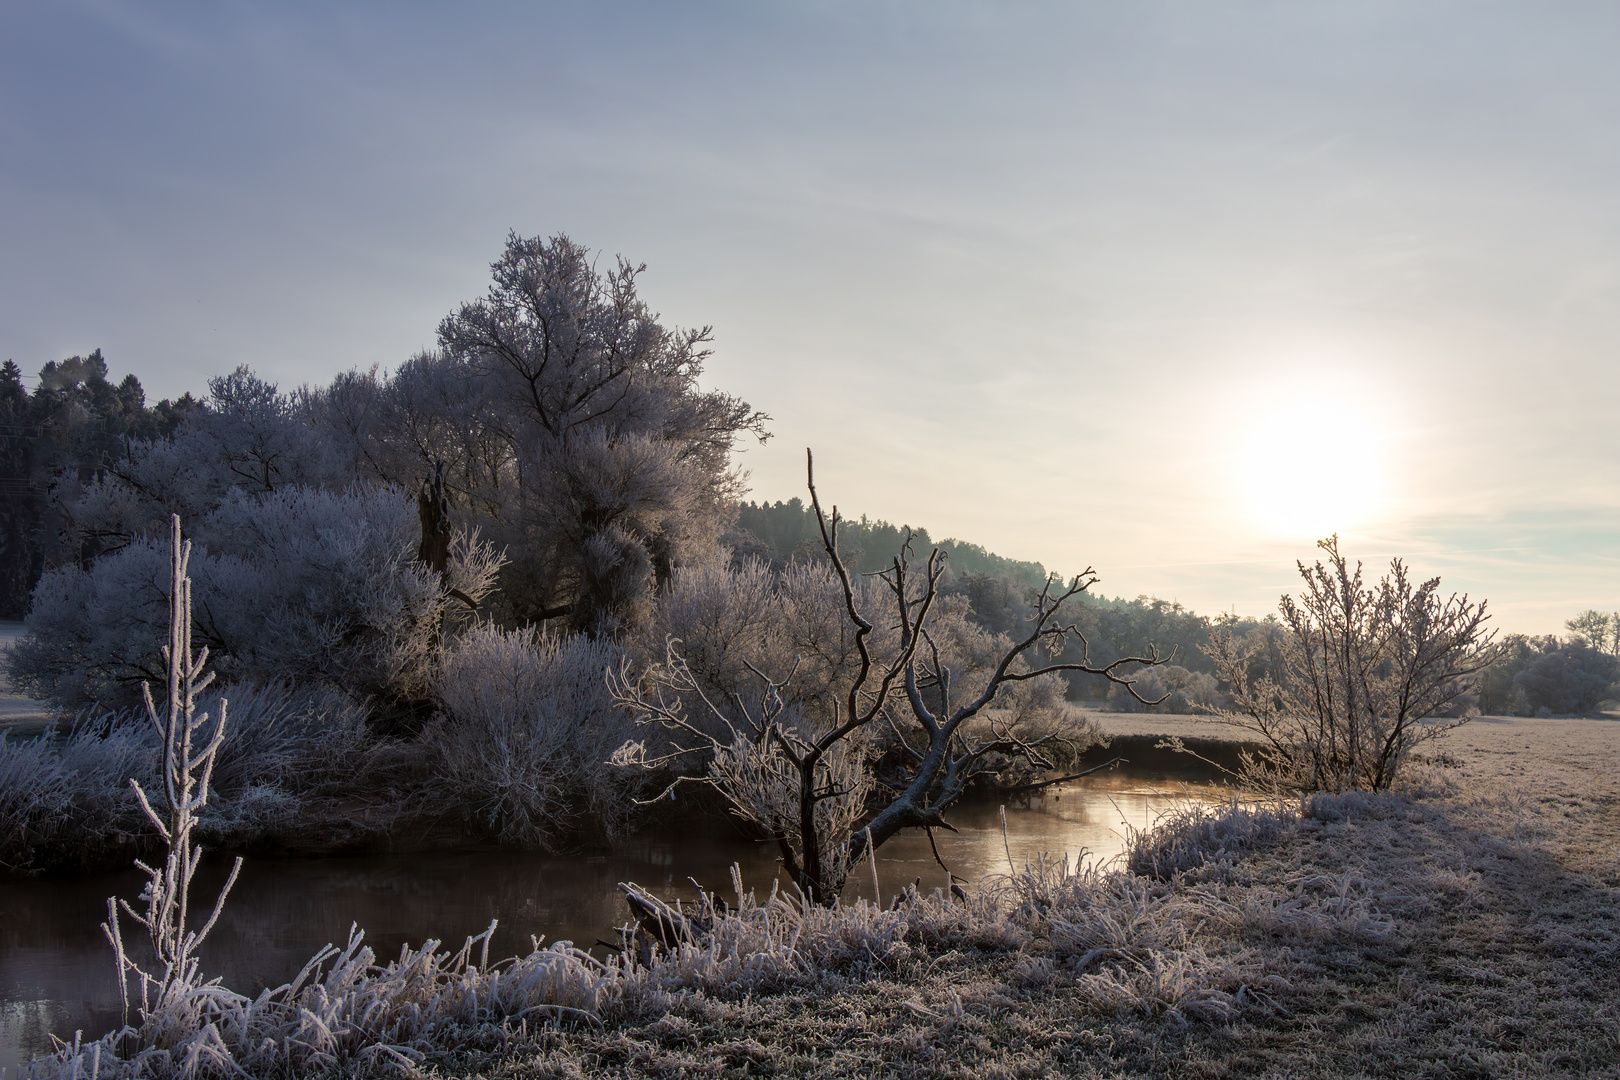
(1309, 462)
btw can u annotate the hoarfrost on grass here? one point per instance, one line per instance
(1125, 943)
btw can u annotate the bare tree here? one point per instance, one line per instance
(1364, 672)
(808, 784)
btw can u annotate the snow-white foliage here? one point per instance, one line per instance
(524, 733)
(300, 583)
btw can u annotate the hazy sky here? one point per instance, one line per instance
(1166, 289)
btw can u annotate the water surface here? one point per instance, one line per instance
(57, 972)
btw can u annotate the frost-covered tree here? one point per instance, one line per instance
(1573, 678)
(789, 693)
(1596, 630)
(613, 465)
(247, 436)
(568, 425)
(1362, 672)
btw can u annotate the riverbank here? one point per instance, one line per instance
(301, 777)
(1467, 926)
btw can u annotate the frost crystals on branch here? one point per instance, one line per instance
(805, 775)
(176, 998)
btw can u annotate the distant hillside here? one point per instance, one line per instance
(998, 588)
(777, 531)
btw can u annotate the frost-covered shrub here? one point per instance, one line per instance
(728, 618)
(248, 437)
(1360, 676)
(524, 733)
(66, 802)
(324, 587)
(93, 635)
(1193, 835)
(34, 794)
(318, 587)
(284, 736)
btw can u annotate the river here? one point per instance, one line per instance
(57, 973)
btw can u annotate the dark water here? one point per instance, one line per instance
(56, 968)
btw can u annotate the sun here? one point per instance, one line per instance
(1309, 460)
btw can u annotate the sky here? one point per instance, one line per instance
(1169, 290)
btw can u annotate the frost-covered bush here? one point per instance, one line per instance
(285, 736)
(790, 624)
(1362, 672)
(1192, 836)
(35, 793)
(524, 732)
(301, 584)
(66, 802)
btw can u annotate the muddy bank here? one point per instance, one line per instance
(1206, 759)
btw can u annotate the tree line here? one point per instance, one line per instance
(74, 424)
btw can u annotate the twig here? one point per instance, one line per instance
(871, 857)
(1017, 789)
(1005, 843)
